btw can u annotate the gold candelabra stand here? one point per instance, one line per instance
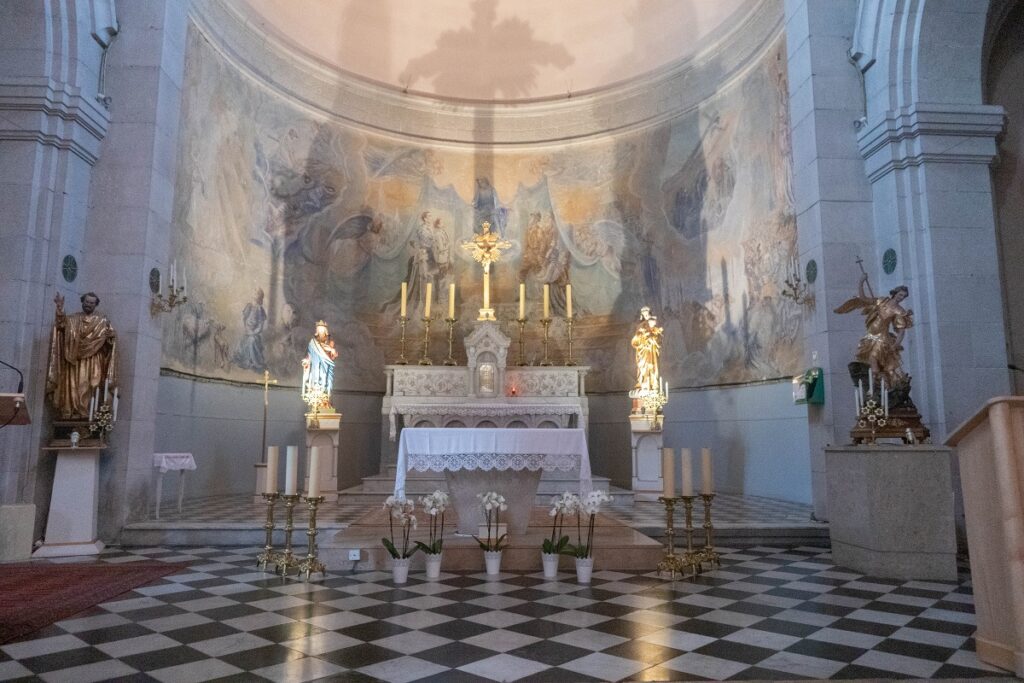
(425, 355)
(689, 561)
(546, 322)
(691, 558)
(175, 297)
(568, 327)
(671, 562)
(268, 556)
(522, 341)
(286, 560)
(708, 553)
(311, 564)
(450, 360)
(403, 320)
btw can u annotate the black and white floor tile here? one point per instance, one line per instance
(768, 613)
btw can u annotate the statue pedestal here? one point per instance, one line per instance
(71, 524)
(326, 437)
(647, 440)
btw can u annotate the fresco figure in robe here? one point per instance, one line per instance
(646, 343)
(249, 354)
(318, 369)
(83, 358)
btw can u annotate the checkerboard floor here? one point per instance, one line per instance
(767, 613)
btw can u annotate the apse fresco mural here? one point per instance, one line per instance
(281, 219)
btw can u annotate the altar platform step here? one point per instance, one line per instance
(617, 546)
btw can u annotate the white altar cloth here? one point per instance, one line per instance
(448, 449)
(173, 461)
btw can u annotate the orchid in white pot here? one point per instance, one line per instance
(584, 552)
(493, 504)
(557, 544)
(434, 505)
(400, 510)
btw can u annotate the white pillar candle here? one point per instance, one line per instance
(405, 294)
(547, 300)
(184, 282)
(522, 300)
(428, 296)
(708, 483)
(668, 473)
(291, 471)
(871, 383)
(568, 301)
(314, 473)
(687, 466)
(270, 482)
(92, 407)
(114, 415)
(487, 289)
(106, 390)
(451, 301)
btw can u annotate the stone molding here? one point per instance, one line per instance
(922, 133)
(53, 114)
(658, 97)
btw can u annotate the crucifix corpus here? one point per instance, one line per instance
(266, 404)
(486, 248)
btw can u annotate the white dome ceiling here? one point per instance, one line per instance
(505, 50)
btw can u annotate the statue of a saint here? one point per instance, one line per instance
(885, 322)
(486, 247)
(83, 358)
(318, 369)
(647, 344)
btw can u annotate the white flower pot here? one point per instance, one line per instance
(492, 559)
(400, 569)
(550, 561)
(433, 565)
(584, 568)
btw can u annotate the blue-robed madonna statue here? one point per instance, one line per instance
(318, 370)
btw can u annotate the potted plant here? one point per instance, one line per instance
(400, 510)
(493, 504)
(584, 552)
(434, 505)
(556, 545)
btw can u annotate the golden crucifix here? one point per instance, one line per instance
(266, 404)
(486, 249)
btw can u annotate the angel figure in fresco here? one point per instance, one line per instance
(885, 322)
(647, 344)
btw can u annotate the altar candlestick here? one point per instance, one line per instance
(451, 302)
(547, 300)
(487, 289)
(522, 300)
(568, 301)
(270, 482)
(668, 473)
(708, 483)
(687, 466)
(314, 473)
(429, 296)
(291, 471)
(405, 293)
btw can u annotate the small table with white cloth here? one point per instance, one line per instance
(164, 462)
(477, 460)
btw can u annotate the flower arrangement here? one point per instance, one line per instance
(101, 421)
(400, 510)
(493, 503)
(435, 504)
(561, 506)
(589, 504)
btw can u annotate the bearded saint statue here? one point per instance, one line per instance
(83, 358)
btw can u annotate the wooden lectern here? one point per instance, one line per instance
(13, 410)
(990, 447)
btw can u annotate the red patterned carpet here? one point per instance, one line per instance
(37, 594)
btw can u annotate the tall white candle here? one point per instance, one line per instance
(687, 466)
(270, 482)
(568, 301)
(487, 289)
(114, 415)
(522, 300)
(668, 473)
(428, 297)
(106, 390)
(92, 407)
(291, 471)
(871, 383)
(451, 303)
(184, 282)
(405, 294)
(708, 479)
(174, 273)
(547, 300)
(314, 473)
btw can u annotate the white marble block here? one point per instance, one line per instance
(647, 482)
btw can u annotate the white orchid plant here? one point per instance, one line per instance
(400, 510)
(434, 505)
(493, 503)
(562, 505)
(588, 504)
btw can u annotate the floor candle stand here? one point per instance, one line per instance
(671, 563)
(287, 560)
(708, 553)
(268, 556)
(311, 564)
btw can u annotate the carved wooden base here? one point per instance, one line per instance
(897, 424)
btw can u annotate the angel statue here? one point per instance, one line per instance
(318, 370)
(885, 322)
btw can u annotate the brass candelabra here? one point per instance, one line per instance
(671, 563)
(546, 322)
(286, 560)
(311, 564)
(268, 556)
(450, 360)
(425, 355)
(402, 360)
(691, 558)
(175, 297)
(708, 554)
(522, 341)
(568, 329)
(689, 561)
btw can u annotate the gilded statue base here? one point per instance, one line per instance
(63, 430)
(486, 314)
(330, 419)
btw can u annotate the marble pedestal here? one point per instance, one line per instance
(647, 440)
(518, 486)
(326, 437)
(16, 522)
(891, 510)
(71, 524)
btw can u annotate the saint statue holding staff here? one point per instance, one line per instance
(318, 369)
(647, 344)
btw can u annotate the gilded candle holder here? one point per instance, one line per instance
(425, 355)
(708, 553)
(312, 564)
(402, 360)
(286, 560)
(268, 556)
(671, 562)
(450, 360)
(691, 558)
(546, 322)
(522, 341)
(568, 329)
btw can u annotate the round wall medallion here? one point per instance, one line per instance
(154, 280)
(811, 272)
(69, 268)
(889, 261)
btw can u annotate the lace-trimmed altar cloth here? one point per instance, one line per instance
(400, 407)
(446, 449)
